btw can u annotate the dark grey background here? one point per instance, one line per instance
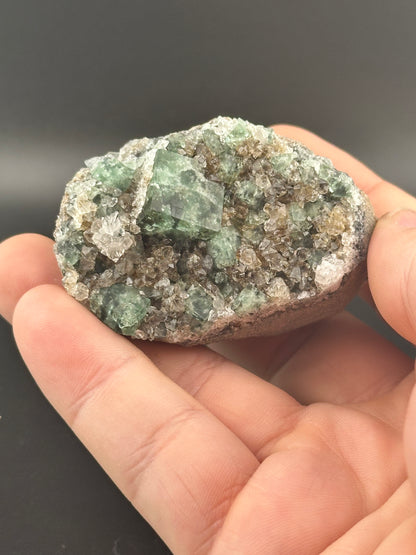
(78, 78)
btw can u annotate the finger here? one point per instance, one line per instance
(384, 196)
(392, 406)
(371, 531)
(37, 251)
(264, 355)
(25, 261)
(343, 361)
(255, 410)
(409, 439)
(236, 386)
(178, 465)
(392, 274)
(392, 271)
(337, 466)
(401, 540)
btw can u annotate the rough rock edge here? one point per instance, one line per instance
(275, 318)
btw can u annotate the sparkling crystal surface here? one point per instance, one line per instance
(189, 236)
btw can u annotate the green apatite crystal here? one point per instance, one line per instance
(248, 300)
(179, 190)
(120, 306)
(254, 235)
(223, 247)
(199, 303)
(112, 173)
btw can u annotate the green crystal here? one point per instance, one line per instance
(248, 300)
(229, 167)
(199, 303)
(315, 257)
(325, 170)
(179, 190)
(223, 247)
(253, 235)
(298, 216)
(247, 192)
(213, 141)
(282, 163)
(314, 209)
(120, 306)
(70, 246)
(341, 185)
(69, 251)
(112, 173)
(177, 141)
(155, 223)
(238, 134)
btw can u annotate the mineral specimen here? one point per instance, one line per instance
(223, 230)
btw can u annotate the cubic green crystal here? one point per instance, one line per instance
(179, 189)
(248, 300)
(239, 133)
(223, 247)
(341, 185)
(120, 306)
(283, 162)
(221, 230)
(112, 173)
(199, 303)
(248, 193)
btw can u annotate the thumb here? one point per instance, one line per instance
(392, 280)
(392, 270)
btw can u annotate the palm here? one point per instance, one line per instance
(316, 477)
(303, 457)
(314, 486)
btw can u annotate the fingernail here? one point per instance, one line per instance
(403, 217)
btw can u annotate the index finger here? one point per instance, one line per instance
(384, 196)
(176, 462)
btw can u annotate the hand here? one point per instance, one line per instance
(220, 460)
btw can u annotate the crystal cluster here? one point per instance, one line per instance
(223, 230)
